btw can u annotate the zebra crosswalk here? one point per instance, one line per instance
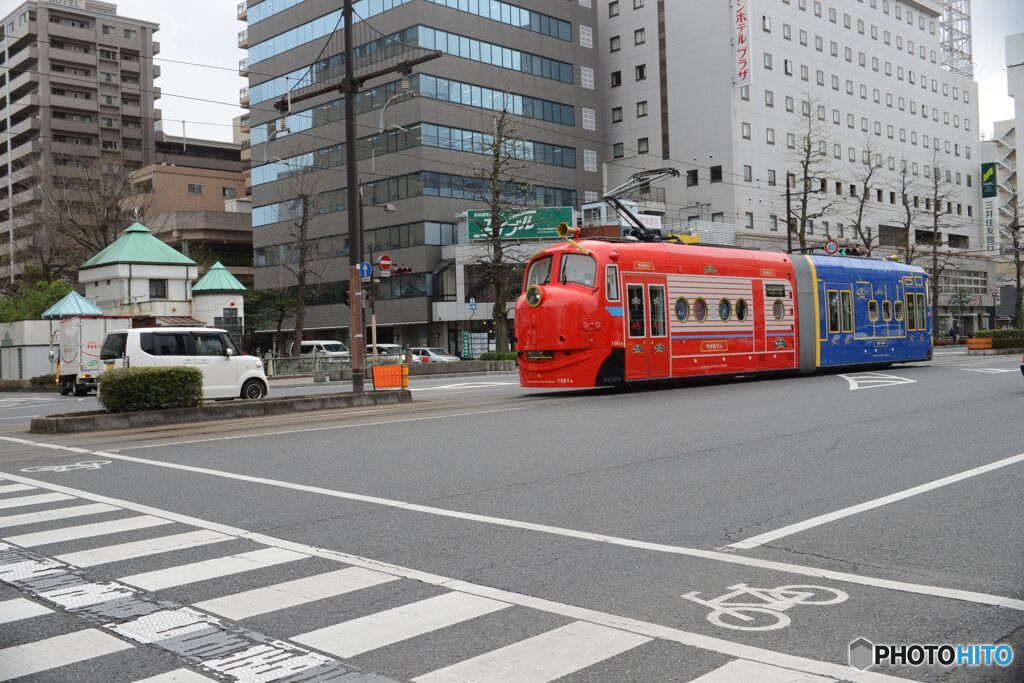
(222, 606)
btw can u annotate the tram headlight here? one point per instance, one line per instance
(534, 296)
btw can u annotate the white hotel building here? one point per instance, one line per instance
(895, 72)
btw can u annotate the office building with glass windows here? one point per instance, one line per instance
(421, 157)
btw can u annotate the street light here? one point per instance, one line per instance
(273, 134)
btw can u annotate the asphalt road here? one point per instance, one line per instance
(492, 533)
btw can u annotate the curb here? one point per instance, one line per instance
(228, 410)
(995, 352)
(454, 375)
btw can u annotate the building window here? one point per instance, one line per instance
(639, 36)
(769, 98)
(748, 173)
(616, 77)
(228, 192)
(618, 150)
(771, 177)
(587, 77)
(716, 174)
(641, 109)
(586, 36)
(590, 161)
(643, 146)
(749, 224)
(616, 114)
(641, 72)
(613, 8)
(589, 119)
(773, 222)
(158, 289)
(195, 190)
(614, 44)
(691, 177)
(745, 130)
(770, 136)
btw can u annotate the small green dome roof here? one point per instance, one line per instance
(138, 245)
(218, 279)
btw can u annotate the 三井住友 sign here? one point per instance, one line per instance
(534, 224)
(989, 208)
(742, 54)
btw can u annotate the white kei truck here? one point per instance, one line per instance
(77, 354)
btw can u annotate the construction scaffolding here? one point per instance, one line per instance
(956, 37)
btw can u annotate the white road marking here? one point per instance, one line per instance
(152, 628)
(50, 653)
(991, 371)
(261, 435)
(264, 663)
(211, 569)
(85, 595)
(351, 638)
(743, 670)
(74, 533)
(718, 556)
(874, 380)
(32, 500)
(293, 593)
(464, 385)
(719, 645)
(541, 658)
(59, 513)
(14, 488)
(143, 548)
(768, 536)
(177, 676)
(20, 608)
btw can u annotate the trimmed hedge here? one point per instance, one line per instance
(133, 389)
(1008, 342)
(1000, 334)
(494, 355)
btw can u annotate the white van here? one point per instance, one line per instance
(226, 372)
(324, 347)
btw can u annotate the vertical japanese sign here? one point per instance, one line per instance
(742, 55)
(990, 207)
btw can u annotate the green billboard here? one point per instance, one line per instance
(532, 224)
(988, 180)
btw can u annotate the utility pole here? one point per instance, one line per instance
(355, 229)
(789, 218)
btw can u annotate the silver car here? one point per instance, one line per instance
(430, 354)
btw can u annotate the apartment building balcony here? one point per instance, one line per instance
(243, 97)
(243, 123)
(84, 35)
(24, 58)
(26, 149)
(156, 48)
(243, 67)
(79, 103)
(88, 58)
(132, 155)
(22, 198)
(25, 125)
(157, 93)
(243, 39)
(25, 103)
(20, 82)
(72, 126)
(243, 10)
(75, 149)
(132, 110)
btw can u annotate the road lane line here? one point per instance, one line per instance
(293, 593)
(50, 653)
(14, 488)
(718, 556)
(743, 670)
(51, 515)
(32, 500)
(211, 569)
(143, 548)
(541, 658)
(710, 643)
(303, 431)
(177, 676)
(768, 536)
(351, 638)
(74, 533)
(20, 608)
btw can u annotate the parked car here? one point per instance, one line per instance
(430, 354)
(385, 350)
(227, 373)
(324, 347)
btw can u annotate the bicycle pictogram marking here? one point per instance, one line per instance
(84, 465)
(766, 611)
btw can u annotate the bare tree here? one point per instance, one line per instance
(909, 203)
(812, 164)
(501, 183)
(866, 177)
(939, 206)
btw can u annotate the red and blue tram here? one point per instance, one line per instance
(611, 313)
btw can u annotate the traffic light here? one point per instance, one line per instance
(345, 292)
(851, 251)
(401, 270)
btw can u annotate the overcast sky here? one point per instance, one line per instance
(206, 32)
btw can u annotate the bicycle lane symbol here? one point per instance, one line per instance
(84, 465)
(765, 611)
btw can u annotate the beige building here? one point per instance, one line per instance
(77, 81)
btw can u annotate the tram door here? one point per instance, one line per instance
(648, 350)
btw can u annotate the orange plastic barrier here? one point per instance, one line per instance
(390, 376)
(979, 343)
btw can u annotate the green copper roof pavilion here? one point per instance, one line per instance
(138, 245)
(71, 305)
(218, 279)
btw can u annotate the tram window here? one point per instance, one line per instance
(911, 315)
(682, 309)
(700, 310)
(833, 311)
(540, 272)
(847, 300)
(898, 306)
(578, 269)
(873, 311)
(741, 310)
(611, 283)
(773, 291)
(657, 295)
(637, 322)
(724, 309)
(886, 310)
(922, 320)
(778, 310)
